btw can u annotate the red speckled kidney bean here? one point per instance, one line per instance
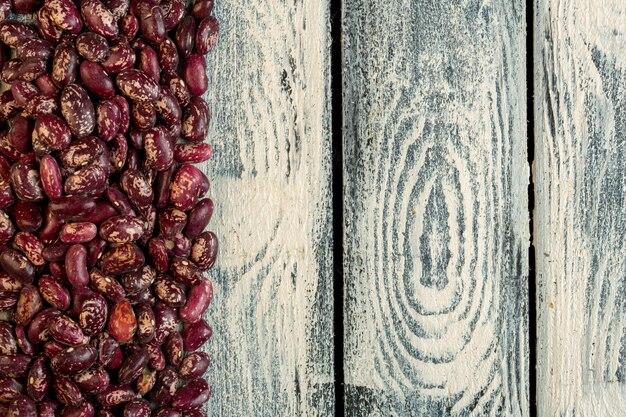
(13, 32)
(199, 217)
(54, 292)
(166, 321)
(17, 266)
(165, 387)
(28, 304)
(122, 259)
(64, 64)
(178, 87)
(26, 182)
(137, 408)
(173, 348)
(47, 29)
(158, 149)
(65, 330)
(136, 187)
(196, 120)
(106, 285)
(78, 110)
(76, 265)
(149, 63)
(65, 15)
(73, 360)
(170, 292)
(86, 409)
(151, 23)
(192, 395)
(158, 254)
(93, 313)
(137, 85)
(186, 36)
(78, 232)
(133, 366)
(10, 389)
(204, 250)
(99, 19)
(30, 246)
(185, 272)
(66, 391)
(196, 334)
(168, 56)
(138, 280)
(115, 395)
(96, 80)
(46, 85)
(197, 302)
(194, 365)
(122, 229)
(129, 25)
(143, 115)
(92, 46)
(93, 381)
(22, 406)
(120, 57)
(193, 153)
(206, 35)
(202, 8)
(194, 74)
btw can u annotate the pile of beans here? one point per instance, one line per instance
(102, 211)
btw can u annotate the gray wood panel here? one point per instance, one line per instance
(436, 219)
(272, 348)
(580, 85)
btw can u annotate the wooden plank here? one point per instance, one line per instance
(272, 347)
(436, 223)
(580, 90)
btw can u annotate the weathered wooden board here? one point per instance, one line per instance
(272, 347)
(580, 94)
(436, 220)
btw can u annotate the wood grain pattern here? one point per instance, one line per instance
(436, 222)
(272, 347)
(580, 48)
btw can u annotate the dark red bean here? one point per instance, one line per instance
(7, 229)
(73, 360)
(186, 36)
(108, 119)
(78, 110)
(199, 217)
(192, 395)
(14, 365)
(158, 254)
(206, 35)
(39, 379)
(137, 408)
(167, 412)
(96, 80)
(47, 407)
(38, 329)
(198, 301)
(96, 247)
(72, 208)
(76, 265)
(17, 266)
(46, 85)
(195, 74)
(26, 182)
(149, 63)
(194, 365)
(151, 23)
(22, 406)
(202, 8)
(65, 330)
(168, 56)
(86, 409)
(129, 25)
(196, 334)
(162, 187)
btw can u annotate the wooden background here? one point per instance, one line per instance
(438, 312)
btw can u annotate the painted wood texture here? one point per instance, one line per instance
(436, 219)
(580, 94)
(272, 347)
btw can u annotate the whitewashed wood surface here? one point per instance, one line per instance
(272, 347)
(436, 219)
(580, 94)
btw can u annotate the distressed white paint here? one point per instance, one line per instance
(272, 347)
(436, 221)
(580, 213)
